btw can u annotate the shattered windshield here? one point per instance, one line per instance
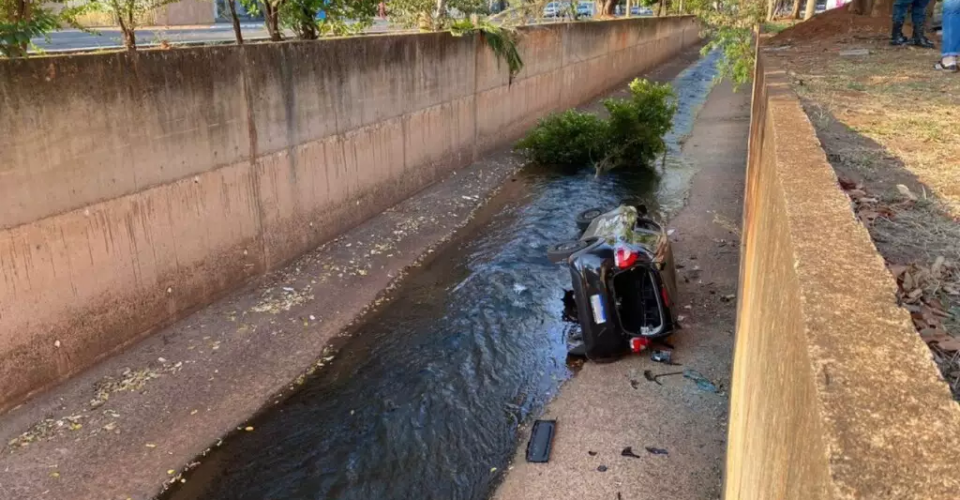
(620, 225)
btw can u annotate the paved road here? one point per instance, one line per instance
(111, 38)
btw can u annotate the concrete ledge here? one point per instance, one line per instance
(834, 395)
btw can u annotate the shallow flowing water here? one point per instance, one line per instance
(425, 399)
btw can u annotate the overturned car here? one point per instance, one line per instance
(623, 282)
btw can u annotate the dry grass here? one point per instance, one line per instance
(894, 98)
(890, 126)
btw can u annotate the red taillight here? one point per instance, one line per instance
(625, 257)
(665, 295)
(638, 344)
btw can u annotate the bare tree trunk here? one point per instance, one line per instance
(796, 10)
(771, 9)
(629, 7)
(605, 8)
(21, 13)
(308, 27)
(127, 30)
(440, 13)
(236, 21)
(811, 9)
(271, 18)
(660, 9)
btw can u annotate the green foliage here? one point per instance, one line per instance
(343, 17)
(501, 40)
(738, 55)
(21, 21)
(637, 125)
(432, 14)
(128, 14)
(567, 138)
(15, 35)
(631, 136)
(731, 26)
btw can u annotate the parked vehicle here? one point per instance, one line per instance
(585, 9)
(555, 9)
(637, 10)
(624, 282)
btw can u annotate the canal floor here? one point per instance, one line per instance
(427, 398)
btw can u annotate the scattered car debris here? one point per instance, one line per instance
(703, 383)
(592, 453)
(657, 451)
(662, 356)
(655, 378)
(541, 441)
(602, 468)
(628, 452)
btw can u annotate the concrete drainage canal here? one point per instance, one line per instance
(424, 401)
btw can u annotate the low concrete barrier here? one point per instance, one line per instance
(135, 188)
(834, 395)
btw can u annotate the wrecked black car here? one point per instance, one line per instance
(624, 282)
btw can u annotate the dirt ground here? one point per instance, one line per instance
(677, 431)
(888, 123)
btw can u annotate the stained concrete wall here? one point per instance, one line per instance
(136, 188)
(834, 395)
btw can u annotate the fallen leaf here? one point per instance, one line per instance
(856, 193)
(905, 191)
(248, 428)
(171, 472)
(937, 267)
(896, 269)
(846, 183)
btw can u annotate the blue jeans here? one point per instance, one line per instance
(900, 8)
(951, 28)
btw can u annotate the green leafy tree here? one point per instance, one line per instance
(128, 14)
(433, 15)
(731, 25)
(341, 17)
(23, 20)
(632, 136)
(270, 10)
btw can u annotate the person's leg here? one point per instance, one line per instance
(951, 35)
(899, 16)
(919, 18)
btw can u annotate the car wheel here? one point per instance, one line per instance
(586, 217)
(562, 251)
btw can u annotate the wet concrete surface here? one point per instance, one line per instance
(426, 399)
(607, 408)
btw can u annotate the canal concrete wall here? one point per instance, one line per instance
(834, 395)
(136, 188)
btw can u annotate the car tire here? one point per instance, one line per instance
(586, 217)
(562, 251)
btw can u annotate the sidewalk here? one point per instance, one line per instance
(607, 408)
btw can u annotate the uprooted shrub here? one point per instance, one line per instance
(632, 135)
